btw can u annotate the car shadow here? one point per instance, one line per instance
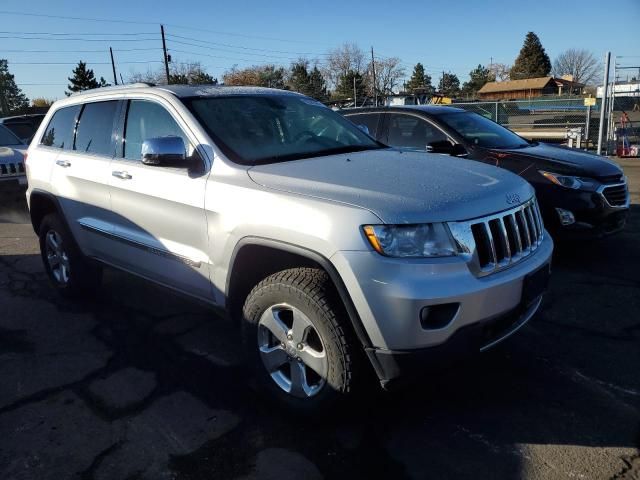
(567, 381)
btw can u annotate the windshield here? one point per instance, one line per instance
(8, 138)
(274, 128)
(481, 131)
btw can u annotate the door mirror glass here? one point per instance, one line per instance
(167, 151)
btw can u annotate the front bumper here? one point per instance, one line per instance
(389, 295)
(595, 216)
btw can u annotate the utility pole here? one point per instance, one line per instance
(113, 67)
(603, 109)
(355, 94)
(166, 57)
(373, 68)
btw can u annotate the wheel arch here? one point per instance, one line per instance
(41, 204)
(271, 256)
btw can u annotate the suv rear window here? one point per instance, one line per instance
(59, 132)
(95, 128)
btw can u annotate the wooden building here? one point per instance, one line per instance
(529, 88)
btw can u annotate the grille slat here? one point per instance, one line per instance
(500, 240)
(616, 195)
(11, 169)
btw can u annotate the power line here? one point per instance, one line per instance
(75, 63)
(242, 47)
(109, 34)
(81, 39)
(102, 50)
(137, 22)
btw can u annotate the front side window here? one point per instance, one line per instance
(95, 128)
(409, 131)
(370, 120)
(59, 132)
(146, 120)
(481, 131)
(255, 129)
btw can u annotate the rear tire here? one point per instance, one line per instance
(67, 268)
(296, 342)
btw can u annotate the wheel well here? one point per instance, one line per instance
(254, 263)
(39, 206)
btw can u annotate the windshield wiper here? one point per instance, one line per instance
(317, 153)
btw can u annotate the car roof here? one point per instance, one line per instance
(186, 91)
(428, 109)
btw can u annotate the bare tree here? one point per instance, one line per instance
(499, 72)
(580, 63)
(388, 74)
(349, 57)
(192, 73)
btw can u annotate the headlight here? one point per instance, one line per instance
(568, 181)
(416, 241)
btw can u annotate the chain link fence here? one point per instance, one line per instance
(558, 120)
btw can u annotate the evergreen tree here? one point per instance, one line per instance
(449, 85)
(317, 85)
(299, 79)
(12, 100)
(308, 83)
(533, 61)
(345, 86)
(420, 82)
(477, 78)
(83, 79)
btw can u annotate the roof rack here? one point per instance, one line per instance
(116, 87)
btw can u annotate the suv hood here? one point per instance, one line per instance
(11, 154)
(400, 187)
(568, 161)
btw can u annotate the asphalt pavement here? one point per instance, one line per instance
(139, 383)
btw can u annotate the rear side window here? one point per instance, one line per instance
(59, 132)
(95, 128)
(412, 132)
(370, 120)
(147, 120)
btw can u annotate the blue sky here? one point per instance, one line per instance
(444, 35)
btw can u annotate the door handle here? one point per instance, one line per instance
(122, 175)
(63, 163)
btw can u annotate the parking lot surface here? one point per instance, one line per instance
(139, 383)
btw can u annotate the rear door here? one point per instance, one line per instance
(84, 136)
(159, 212)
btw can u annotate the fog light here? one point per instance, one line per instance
(566, 217)
(438, 316)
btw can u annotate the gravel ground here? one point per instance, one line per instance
(139, 383)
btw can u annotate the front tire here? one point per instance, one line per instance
(296, 342)
(68, 270)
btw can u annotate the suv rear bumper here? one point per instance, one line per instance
(389, 295)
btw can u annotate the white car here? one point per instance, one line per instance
(12, 153)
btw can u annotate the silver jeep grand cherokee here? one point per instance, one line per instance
(334, 251)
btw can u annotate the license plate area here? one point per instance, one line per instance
(535, 284)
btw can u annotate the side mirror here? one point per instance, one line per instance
(364, 128)
(445, 147)
(161, 151)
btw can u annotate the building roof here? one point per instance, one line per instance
(525, 84)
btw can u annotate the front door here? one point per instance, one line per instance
(160, 222)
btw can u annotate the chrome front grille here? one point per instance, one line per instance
(616, 195)
(11, 169)
(498, 241)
